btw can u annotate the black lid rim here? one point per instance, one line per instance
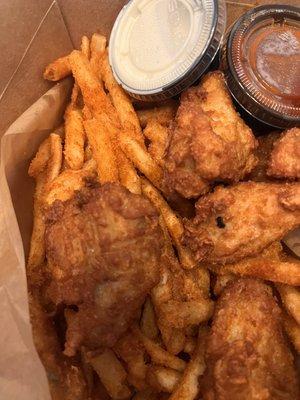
(250, 15)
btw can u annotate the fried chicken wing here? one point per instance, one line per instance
(209, 141)
(247, 356)
(103, 248)
(285, 157)
(240, 221)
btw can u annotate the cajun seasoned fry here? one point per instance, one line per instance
(263, 267)
(102, 149)
(188, 387)
(141, 159)
(158, 354)
(158, 136)
(173, 223)
(148, 321)
(127, 115)
(127, 173)
(290, 297)
(112, 374)
(163, 114)
(163, 379)
(131, 350)
(74, 138)
(58, 69)
(85, 46)
(39, 162)
(55, 159)
(93, 94)
(64, 186)
(293, 331)
(98, 45)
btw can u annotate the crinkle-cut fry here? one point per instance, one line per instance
(163, 379)
(158, 136)
(74, 138)
(287, 272)
(67, 182)
(173, 223)
(37, 244)
(221, 282)
(181, 314)
(188, 388)
(141, 158)
(112, 374)
(94, 96)
(58, 69)
(163, 114)
(98, 45)
(158, 354)
(290, 297)
(40, 160)
(85, 46)
(102, 148)
(131, 350)
(293, 331)
(121, 101)
(148, 324)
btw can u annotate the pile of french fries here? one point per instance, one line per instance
(104, 138)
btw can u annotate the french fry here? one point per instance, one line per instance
(85, 46)
(182, 314)
(188, 387)
(43, 179)
(58, 69)
(39, 162)
(141, 159)
(94, 97)
(163, 379)
(64, 186)
(221, 282)
(112, 374)
(174, 339)
(293, 331)
(131, 350)
(148, 321)
(158, 354)
(158, 136)
(121, 101)
(74, 138)
(287, 272)
(102, 149)
(163, 114)
(98, 45)
(127, 173)
(290, 297)
(173, 223)
(147, 394)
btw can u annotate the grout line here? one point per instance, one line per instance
(26, 50)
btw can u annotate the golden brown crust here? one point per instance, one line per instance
(285, 157)
(103, 249)
(241, 220)
(209, 140)
(247, 355)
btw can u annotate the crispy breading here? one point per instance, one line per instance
(103, 248)
(241, 220)
(247, 355)
(285, 157)
(209, 141)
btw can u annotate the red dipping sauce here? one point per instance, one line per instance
(263, 64)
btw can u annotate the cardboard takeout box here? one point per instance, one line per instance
(33, 33)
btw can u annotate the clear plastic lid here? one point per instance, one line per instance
(263, 64)
(156, 43)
